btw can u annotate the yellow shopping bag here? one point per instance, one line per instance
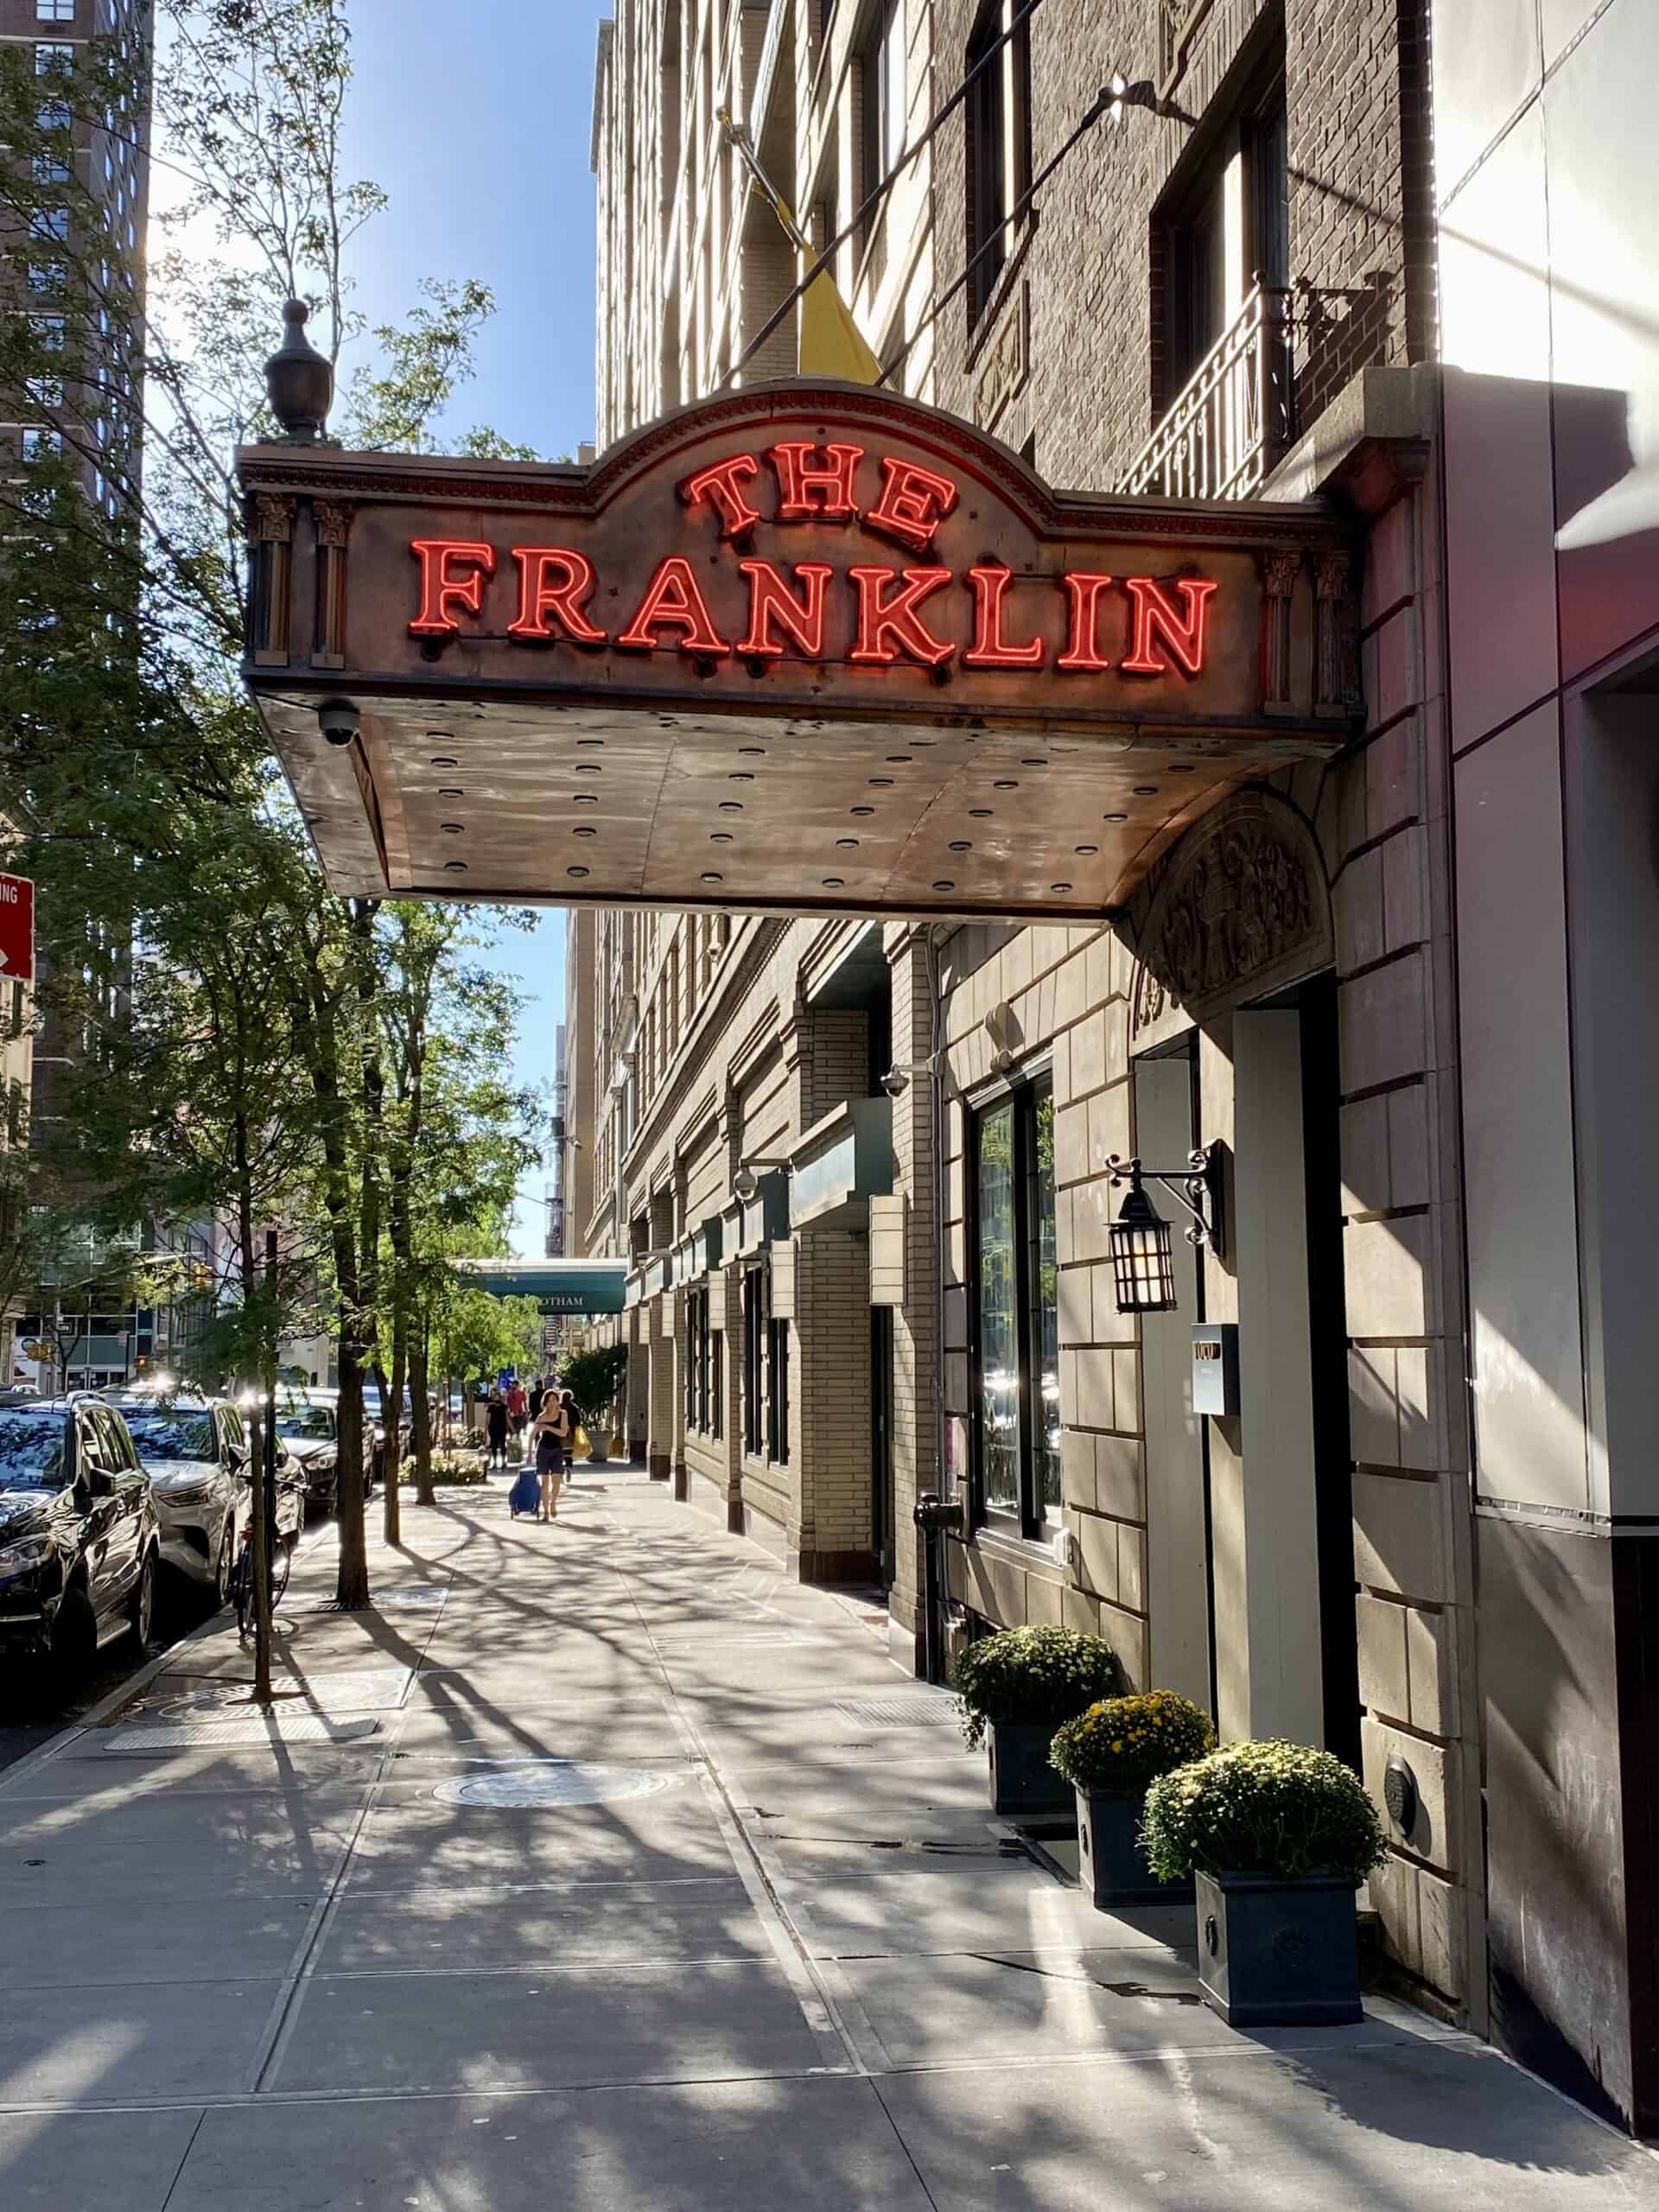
(581, 1443)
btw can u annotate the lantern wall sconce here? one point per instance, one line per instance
(1143, 1262)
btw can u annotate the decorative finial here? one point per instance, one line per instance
(299, 381)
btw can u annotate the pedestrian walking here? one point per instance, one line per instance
(566, 1399)
(518, 1406)
(550, 1431)
(495, 1431)
(537, 1392)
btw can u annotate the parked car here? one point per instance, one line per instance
(80, 1540)
(307, 1427)
(195, 1450)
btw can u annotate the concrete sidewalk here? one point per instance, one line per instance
(600, 1866)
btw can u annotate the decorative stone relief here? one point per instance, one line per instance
(1242, 900)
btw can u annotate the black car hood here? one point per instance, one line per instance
(24, 1513)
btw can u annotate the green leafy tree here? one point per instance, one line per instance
(235, 1046)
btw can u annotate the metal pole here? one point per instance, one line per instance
(265, 1488)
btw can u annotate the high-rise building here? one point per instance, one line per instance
(93, 210)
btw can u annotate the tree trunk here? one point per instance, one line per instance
(420, 1415)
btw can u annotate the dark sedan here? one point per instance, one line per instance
(79, 1536)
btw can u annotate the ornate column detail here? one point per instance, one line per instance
(1335, 688)
(1280, 570)
(333, 518)
(273, 573)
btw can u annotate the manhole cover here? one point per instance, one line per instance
(555, 1782)
(376, 1689)
(912, 1710)
(232, 1735)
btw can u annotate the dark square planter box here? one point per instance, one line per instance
(1278, 1953)
(1023, 1784)
(1113, 1869)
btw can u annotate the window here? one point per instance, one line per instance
(1016, 1324)
(38, 444)
(49, 276)
(49, 223)
(48, 333)
(697, 1360)
(53, 60)
(717, 1385)
(754, 1337)
(53, 115)
(1224, 223)
(886, 91)
(778, 1392)
(54, 12)
(998, 144)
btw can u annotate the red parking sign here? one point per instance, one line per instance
(16, 929)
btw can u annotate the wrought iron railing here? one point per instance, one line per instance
(1233, 420)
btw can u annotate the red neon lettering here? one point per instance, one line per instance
(913, 503)
(770, 600)
(439, 586)
(1155, 617)
(554, 581)
(990, 648)
(812, 490)
(673, 600)
(881, 617)
(1083, 637)
(721, 486)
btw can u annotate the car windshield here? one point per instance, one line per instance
(171, 1435)
(306, 1421)
(31, 1449)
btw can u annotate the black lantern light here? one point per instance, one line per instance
(1143, 1259)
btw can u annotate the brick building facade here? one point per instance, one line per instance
(1241, 287)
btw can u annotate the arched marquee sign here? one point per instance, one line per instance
(808, 648)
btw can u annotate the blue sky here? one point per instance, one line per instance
(477, 121)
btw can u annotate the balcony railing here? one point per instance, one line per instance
(1232, 421)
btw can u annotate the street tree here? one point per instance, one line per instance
(140, 773)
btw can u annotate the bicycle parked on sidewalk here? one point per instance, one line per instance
(282, 1562)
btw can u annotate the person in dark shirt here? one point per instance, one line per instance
(536, 1394)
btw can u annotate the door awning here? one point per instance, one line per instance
(558, 1285)
(800, 647)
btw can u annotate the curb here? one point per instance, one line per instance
(109, 1704)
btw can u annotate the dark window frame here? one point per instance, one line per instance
(1033, 1518)
(998, 119)
(777, 1390)
(754, 1344)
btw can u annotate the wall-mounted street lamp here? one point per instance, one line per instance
(1143, 1260)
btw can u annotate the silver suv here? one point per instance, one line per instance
(195, 1452)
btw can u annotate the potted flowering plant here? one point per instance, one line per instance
(1110, 1755)
(1278, 1838)
(1015, 1687)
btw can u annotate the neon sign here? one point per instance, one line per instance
(919, 612)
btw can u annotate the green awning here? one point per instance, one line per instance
(558, 1285)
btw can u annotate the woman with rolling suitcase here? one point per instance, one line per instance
(552, 1433)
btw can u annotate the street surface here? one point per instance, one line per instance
(603, 1868)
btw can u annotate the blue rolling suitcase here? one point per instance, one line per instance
(526, 1496)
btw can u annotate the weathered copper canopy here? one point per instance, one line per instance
(807, 648)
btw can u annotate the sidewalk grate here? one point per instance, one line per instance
(915, 1709)
(423, 1599)
(232, 1735)
(374, 1689)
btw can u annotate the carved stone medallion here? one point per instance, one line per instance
(1242, 902)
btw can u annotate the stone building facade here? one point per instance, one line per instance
(1311, 258)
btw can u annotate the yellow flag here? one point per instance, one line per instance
(832, 344)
